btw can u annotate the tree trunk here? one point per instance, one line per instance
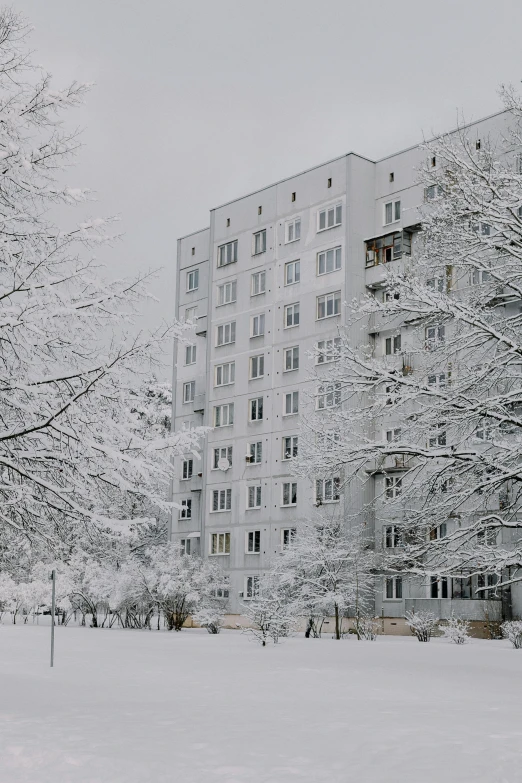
(337, 623)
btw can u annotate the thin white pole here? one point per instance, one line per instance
(53, 609)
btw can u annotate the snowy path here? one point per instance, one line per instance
(146, 707)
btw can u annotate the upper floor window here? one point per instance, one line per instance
(251, 587)
(254, 496)
(392, 436)
(392, 212)
(328, 395)
(329, 261)
(292, 315)
(290, 403)
(328, 305)
(435, 335)
(193, 280)
(327, 490)
(293, 230)
(393, 587)
(289, 493)
(437, 380)
(440, 531)
(393, 487)
(436, 284)
(288, 536)
(222, 453)
(392, 345)
(292, 272)
(224, 415)
(257, 366)
(256, 409)
(220, 543)
(392, 537)
(382, 250)
(327, 350)
(189, 391)
(227, 293)
(253, 542)
(258, 283)
(255, 453)
(257, 325)
(221, 500)
(186, 469)
(291, 358)
(259, 242)
(329, 217)
(479, 276)
(190, 354)
(437, 437)
(226, 334)
(225, 374)
(290, 443)
(191, 313)
(432, 192)
(227, 254)
(185, 511)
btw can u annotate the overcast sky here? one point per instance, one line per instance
(201, 101)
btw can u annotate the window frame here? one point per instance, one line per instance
(293, 395)
(191, 387)
(294, 447)
(187, 469)
(261, 233)
(335, 490)
(261, 317)
(337, 257)
(295, 266)
(222, 288)
(192, 348)
(294, 358)
(252, 592)
(230, 409)
(261, 276)
(219, 492)
(252, 542)
(232, 333)
(258, 361)
(255, 404)
(233, 243)
(226, 543)
(392, 487)
(397, 588)
(292, 310)
(192, 274)
(335, 298)
(185, 512)
(292, 534)
(327, 353)
(227, 455)
(292, 223)
(257, 497)
(337, 210)
(326, 390)
(395, 213)
(231, 366)
(292, 492)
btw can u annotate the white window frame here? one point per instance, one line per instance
(187, 469)
(435, 336)
(292, 315)
(392, 487)
(437, 284)
(189, 392)
(190, 314)
(185, 512)
(291, 400)
(323, 259)
(291, 359)
(227, 332)
(224, 374)
(252, 542)
(437, 380)
(293, 446)
(258, 283)
(227, 293)
(221, 452)
(224, 414)
(290, 493)
(251, 589)
(259, 318)
(335, 299)
(256, 366)
(292, 272)
(328, 395)
(395, 209)
(222, 498)
(255, 455)
(288, 533)
(262, 243)
(255, 406)
(392, 537)
(395, 586)
(192, 280)
(293, 230)
(327, 350)
(219, 543)
(393, 435)
(328, 490)
(190, 354)
(223, 253)
(254, 497)
(333, 211)
(392, 345)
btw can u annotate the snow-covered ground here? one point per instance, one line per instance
(140, 707)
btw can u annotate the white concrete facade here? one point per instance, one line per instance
(354, 191)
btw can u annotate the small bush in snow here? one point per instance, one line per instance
(456, 630)
(210, 617)
(366, 628)
(512, 630)
(421, 624)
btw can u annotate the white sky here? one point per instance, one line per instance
(201, 101)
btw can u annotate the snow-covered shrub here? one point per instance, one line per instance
(210, 617)
(456, 630)
(421, 624)
(366, 628)
(271, 612)
(512, 630)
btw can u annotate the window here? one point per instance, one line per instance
(480, 276)
(225, 374)
(437, 380)
(392, 212)
(327, 490)
(292, 272)
(484, 430)
(437, 437)
(193, 251)
(433, 162)
(329, 217)
(432, 192)
(251, 587)
(184, 545)
(293, 230)
(439, 587)
(186, 469)
(329, 183)
(292, 315)
(254, 496)
(288, 535)
(227, 293)
(392, 436)
(328, 350)
(257, 325)
(291, 359)
(227, 254)
(436, 284)
(185, 511)
(487, 537)
(293, 196)
(289, 493)
(392, 176)
(189, 391)
(256, 409)
(290, 446)
(440, 531)
(477, 144)
(393, 587)
(226, 334)
(462, 587)
(328, 395)
(190, 354)
(224, 415)
(220, 543)
(193, 280)
(259, 242)
(435, 335)
(260, 210)
(392, 537)
(382, 250)
(489, 582)
(328, 305)
(258, 284)
(291, 403)
(253, 542)
(257, 366)
(392, 345)
(221, 500)
(222, 452)
(190, 313)
(329, 261)
(223, 591)
(255, 453)
(228, 222)
(393, 487)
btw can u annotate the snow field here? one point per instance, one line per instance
(149, 707)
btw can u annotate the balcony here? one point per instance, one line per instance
(469, 609)
(199, 403)
(201, 326)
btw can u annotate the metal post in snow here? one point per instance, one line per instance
(53, 610)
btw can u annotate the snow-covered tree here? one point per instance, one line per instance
(273, 611)
(512, 630)
(70, 454)
(435, 409)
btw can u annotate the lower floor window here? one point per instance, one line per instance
(288, 535)
(251, 586)
(220, 544)
(439, 587)
(253, 542)
(185, 511)
(394, 587)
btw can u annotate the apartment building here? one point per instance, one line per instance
(264, 286)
